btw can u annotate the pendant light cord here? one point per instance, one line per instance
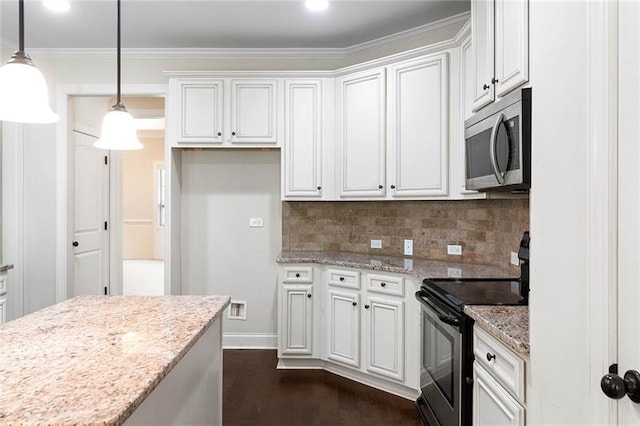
(21, 26)
(118, 103)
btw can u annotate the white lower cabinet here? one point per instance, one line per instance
(358, 323)
(498, 382)
(297, 313)
(384, 337)
(492, 404)
(343, 327)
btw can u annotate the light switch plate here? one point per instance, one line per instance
(408, 247)
(256, 222)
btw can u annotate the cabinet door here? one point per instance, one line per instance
(303, 139)
(492, 404)
(200, 118)
(297, 319)
(384, 337)
(482, 45)
(361, 123)
(253, 111)
(418, 120)
(344, 327)
(512, 45)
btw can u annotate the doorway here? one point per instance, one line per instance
(122, 192)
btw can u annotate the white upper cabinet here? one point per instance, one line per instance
(500, 39)
(200, 116)
(211, 112)
(253, 111)
(361, 134)
(418, 120)
(302, 160)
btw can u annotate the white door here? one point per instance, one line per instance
(344, 327)
(361, 139)
(253, 111)
(418, 120)
(297, 327)
(482, 45)
(629, 203)
(90, 244)
(384, 328)
(302, 165)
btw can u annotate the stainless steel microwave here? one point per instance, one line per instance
(498, 145)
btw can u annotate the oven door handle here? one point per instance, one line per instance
(442, 315)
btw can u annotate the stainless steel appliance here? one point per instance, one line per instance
(498, 145)
(446, 374)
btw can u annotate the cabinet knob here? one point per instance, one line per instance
(309, 295)
(485, 87)
(393, 187)
(319, 188)
(341, 278)
(75, 244)
(233, 133)
(219, 133)
(380, 186)
(494, 80)
(366, 306)
(490, 356)
(355, 303)
(383, 284)
(297, 275)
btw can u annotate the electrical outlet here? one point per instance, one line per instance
(376, 243)
(514, 259)
(454, 272)
(408, 247)
(455, 250)
(256, 222)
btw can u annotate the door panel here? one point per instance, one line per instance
(628, 202)
(344, 328)
(482, 45)
(385, 337)
(253, 111)
(90, 248)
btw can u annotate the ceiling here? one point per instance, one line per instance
(237, 24)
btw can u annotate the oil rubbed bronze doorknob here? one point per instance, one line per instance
(616, 387)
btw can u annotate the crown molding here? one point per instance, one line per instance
(273, 53)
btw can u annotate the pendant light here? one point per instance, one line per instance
(23, 89)
(118, 127)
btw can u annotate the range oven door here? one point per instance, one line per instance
(441, 358)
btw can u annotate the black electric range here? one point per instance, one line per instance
(446, 378)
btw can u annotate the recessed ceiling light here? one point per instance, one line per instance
(57, 5)
(316, 5)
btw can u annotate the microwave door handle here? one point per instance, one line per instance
(493, 147)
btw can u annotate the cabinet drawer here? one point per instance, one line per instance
(346, 279)
(500, 362)
(3, 283)
(298, 274)
(385, 284)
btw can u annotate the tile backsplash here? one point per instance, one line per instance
(488, 230)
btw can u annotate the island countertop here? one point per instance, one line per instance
(93, 359)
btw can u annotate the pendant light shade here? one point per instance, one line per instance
(118, 128)
(23, 89)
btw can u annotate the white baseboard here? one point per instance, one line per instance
(249, 341)
(385, 385)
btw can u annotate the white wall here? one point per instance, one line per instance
(221, 190)
(564, 353)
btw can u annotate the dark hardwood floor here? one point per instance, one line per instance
(255, 393)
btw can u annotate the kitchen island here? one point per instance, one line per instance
(114, 360)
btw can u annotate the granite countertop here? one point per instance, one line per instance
(508, 324)
(93, 359)
(420, 268)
